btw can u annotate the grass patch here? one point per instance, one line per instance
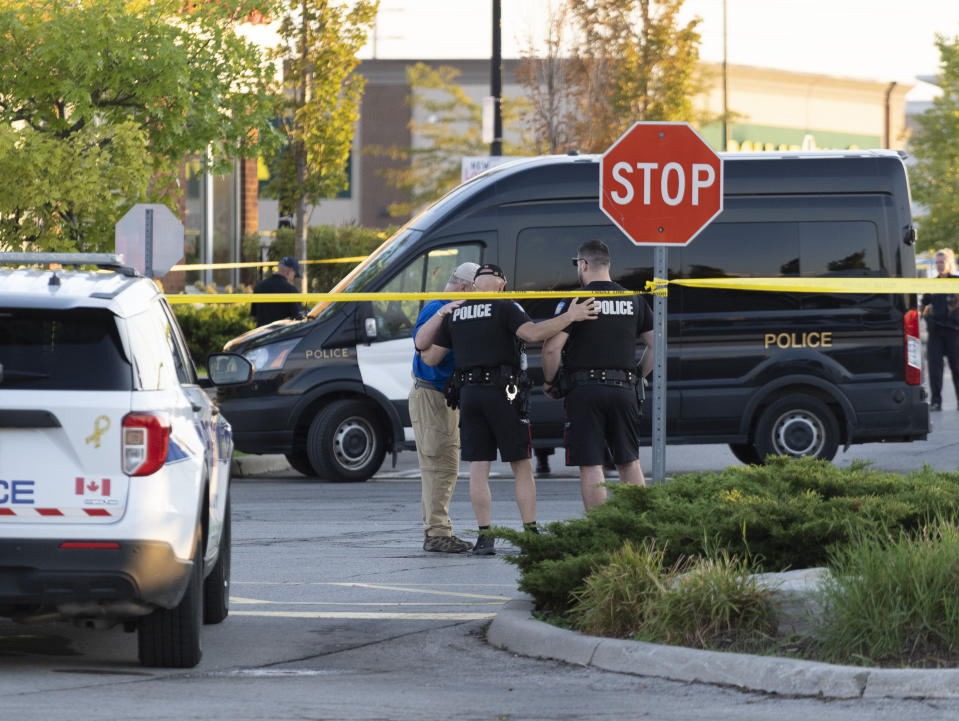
(894, 599)
(701, 602)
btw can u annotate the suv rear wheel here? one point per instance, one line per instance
(170, 638)
(346, 442)
(216, 587)
(797, 425)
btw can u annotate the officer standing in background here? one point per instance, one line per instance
(436, 425)
(483, 335)
(599, 360)
(941, 311)
(280, 282)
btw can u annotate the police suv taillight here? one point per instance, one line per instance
(146, 438)
(910, 332)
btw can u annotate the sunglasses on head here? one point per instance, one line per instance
(576, 261)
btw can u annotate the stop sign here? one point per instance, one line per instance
(661, 183)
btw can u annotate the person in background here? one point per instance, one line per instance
(941, 311)
(436, 425)
(287, 269)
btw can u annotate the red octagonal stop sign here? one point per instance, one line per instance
(661, 183)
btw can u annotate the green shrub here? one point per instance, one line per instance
(616, 597)
(329, 241)
(717, 601)
(786, 514)
(894, 599)
(206, 328)
(700, 602)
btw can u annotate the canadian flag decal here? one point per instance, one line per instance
(83, 486)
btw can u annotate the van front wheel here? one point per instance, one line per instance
(746, 453)
(346, 442)
(797, 425)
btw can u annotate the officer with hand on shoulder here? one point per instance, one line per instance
(483, 336)
(599, 362)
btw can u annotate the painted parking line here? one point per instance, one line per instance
(262, 602)
(442, 597)
(369, 616)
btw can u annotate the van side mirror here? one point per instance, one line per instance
(365, 322)
(226, 369)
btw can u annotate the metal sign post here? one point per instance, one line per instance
(660, 269)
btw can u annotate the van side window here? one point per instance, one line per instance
(839, 248)
(543, 262)
(427, 273)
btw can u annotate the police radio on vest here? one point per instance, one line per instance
(469, 312)
(673, 176)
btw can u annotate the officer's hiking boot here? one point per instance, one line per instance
(484, 546)
(446, 544)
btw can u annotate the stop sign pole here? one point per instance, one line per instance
(661, 184)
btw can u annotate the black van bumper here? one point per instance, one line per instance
(261, 423)
(889, 413)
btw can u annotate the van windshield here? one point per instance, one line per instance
(362, 275)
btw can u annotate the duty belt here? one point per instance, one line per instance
(605, 376)
(494, 376)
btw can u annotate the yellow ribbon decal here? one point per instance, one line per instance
(100, 426)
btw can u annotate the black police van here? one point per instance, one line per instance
(795, 373)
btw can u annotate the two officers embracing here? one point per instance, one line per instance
(484, 339)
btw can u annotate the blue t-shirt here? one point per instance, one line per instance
(439, 374)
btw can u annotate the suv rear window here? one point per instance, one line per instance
(77, 349)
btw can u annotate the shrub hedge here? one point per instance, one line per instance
(787, 514)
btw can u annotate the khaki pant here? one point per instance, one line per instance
(436, 429)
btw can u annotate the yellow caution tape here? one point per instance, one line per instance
(261, 264)
(657, 286)
(824, 285)
(351, 297)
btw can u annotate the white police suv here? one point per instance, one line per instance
(114, 463)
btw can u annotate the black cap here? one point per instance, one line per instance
(290, 262)
(490, 269)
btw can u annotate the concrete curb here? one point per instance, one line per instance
(514, 629)
(247, 466)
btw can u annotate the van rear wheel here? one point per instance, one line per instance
(300, 462)
(797, 425)
(746, 453)
(346, 442)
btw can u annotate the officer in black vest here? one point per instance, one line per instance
(483, 335)
(599, 363)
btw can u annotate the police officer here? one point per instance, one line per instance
(483, 335)
(280, 282)
(941, 311)
(599, 360)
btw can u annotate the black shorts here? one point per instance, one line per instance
(488, 421)
(598, 416)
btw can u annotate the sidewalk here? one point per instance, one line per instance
(514, 629)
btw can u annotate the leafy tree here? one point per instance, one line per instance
(935, 145)
(452, 129)
(101, 100)
(608, 64)
(320, 97)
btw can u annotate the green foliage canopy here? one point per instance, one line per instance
(101, 100)
(934, 177)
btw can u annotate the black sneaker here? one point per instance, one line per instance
(484, 547)
(542, 467)
(935, 407)
(446, 544)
